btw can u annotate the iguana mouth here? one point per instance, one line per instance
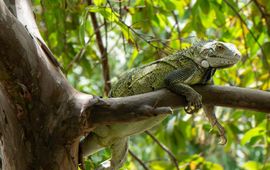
(217, 56)
(221, 67)
(222, 62)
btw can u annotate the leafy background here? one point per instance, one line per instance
(135, 32)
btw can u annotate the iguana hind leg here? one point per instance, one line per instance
(209, 111)
(119, 153)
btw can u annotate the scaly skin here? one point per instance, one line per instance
(195, 65)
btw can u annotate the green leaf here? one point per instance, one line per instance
(210, 18)
(252, 133)
(132, 58)
(126, 31)
(82, 28)
(211, 166)
(160, 165)
(112, 16)
(266, 50)
(106, 12)
(169, 5)
(219, 1)
(99, 2)
(162, 20)
(205, 6)
(252, 165)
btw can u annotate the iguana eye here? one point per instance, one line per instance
(219, 47)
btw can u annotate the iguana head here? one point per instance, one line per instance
(216, 54)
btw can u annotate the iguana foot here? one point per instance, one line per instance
(119, 151)
(194, 103)
(221, 131)
(209, 111)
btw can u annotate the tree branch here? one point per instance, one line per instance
(138, 160)
(249, 30)
(103, 52)
(98, 111)
(264, 13)
(79, 55)
(163, 147)
(22, 10)
(234, 97)
(179, 35)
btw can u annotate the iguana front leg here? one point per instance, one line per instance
(177, 80)
(209, 111)
(119, 151)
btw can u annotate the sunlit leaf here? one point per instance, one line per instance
(252, 165)
(252, 133)
(205, 6)
(99, 2)
(82, 28)
(105, 12)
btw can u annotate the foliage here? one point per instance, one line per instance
(135, 32)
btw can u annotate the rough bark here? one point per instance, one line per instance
(33, 97)
(234, 97)
(42, 117)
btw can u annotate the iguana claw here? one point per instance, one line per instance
(221, 130)
(214, 122)
(194, 103)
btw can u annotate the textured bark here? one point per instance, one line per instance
(42, 117)
(34, 95)
(234, 97)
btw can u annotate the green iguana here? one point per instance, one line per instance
(195, 65)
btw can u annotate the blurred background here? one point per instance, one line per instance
(97, 40)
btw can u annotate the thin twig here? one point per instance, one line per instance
(267, 143)
(78, 56)
(177, 28)
(141, 36)
(106, 34)
(249, 30)
(245, 41)
(138, 160)
(122, 35)
(243, 7)
(103, 52)
(265, 15)
(167, 150)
